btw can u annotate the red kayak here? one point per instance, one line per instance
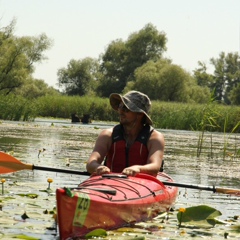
(112, 201)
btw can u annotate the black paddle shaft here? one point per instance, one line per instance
(60, 170)
(207, 188)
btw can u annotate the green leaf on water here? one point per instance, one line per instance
(137, 238)
(199, 216)
(25, 237)
(34, 205)
(7, 198)
(132, 230)
(235, 228)
(29, 195)
(48, 190)
(96, 233)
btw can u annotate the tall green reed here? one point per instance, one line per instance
(17, 108)
(227, 136)
(165, 115)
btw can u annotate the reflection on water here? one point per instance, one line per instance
(67, 143)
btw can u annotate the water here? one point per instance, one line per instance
(69, 145)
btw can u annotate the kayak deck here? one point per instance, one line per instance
(111, 201)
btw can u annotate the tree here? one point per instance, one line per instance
(80, 76)
(220, 80)
(234, 95)
(225, 78)
(203, 78)
(18, 54)
(232, 74)
(121, 59)
(34, 88)
(226, 75)
(164, 81)
(112, 68)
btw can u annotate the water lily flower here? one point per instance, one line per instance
(3, 181)
(49, 180)
(182, 210)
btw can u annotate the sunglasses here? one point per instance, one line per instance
(122, 107)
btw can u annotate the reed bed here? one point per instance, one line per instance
(166, 115)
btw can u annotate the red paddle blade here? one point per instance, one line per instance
(10, 164)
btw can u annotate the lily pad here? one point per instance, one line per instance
(48, 190)
(29, 195)
(96, 233)
(132, 230)
(199, 216)
(7, 198)
(26, 237)
(236, 228)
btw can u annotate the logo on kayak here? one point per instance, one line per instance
(81, 211)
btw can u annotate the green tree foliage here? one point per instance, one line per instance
(164, 81)
(18, 54)
(80, 76)
(138, 63)
(234, 95)
(34, 88)
(112, 68)
(121, 59)
(203, 78)
(225, 79)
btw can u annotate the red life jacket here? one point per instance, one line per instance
(120, 156)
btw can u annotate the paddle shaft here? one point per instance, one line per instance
(60, 170)
(206, 188)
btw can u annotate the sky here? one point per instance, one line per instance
(195, 30)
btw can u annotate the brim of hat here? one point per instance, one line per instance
(116, 99)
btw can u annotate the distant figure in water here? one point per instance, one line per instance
(86, 118)
(75, 118)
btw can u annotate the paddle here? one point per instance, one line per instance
(10, 164)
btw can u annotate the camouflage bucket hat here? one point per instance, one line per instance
(135, 101)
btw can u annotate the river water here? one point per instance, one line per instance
(60, 144)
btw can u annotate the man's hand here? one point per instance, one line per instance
(131, 171)
(102, 170)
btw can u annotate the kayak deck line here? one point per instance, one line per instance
(103, 190)
(128, 187)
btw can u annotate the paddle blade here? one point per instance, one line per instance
(10, 164)
(228, 191)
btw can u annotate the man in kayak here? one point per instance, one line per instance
(131, 147)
